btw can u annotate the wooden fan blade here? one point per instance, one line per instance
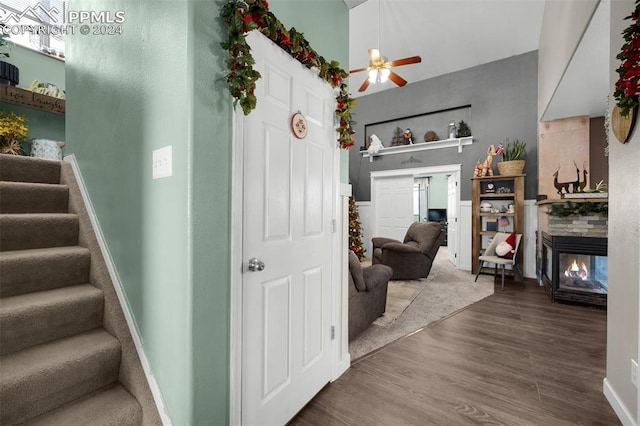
(405, 61)
(397, 79)
(358, 70)
(364, 85)
(374, 54)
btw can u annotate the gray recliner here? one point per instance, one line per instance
(412, 258)
(367, 294)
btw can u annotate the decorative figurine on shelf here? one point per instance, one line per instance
(408, 137)
(452, 130)
(430, 136)
(485, 169)
(561, 187)
(398, 137)
(583, 182)
(375, 145)
(463, 129)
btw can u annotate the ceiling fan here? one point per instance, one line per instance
(380, 69)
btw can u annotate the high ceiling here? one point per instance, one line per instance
(451, 35)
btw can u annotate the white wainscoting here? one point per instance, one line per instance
(464, 251)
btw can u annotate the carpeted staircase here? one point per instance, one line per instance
(66, 354)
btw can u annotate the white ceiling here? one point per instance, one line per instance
(451, 35)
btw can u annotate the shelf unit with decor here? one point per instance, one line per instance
(25, 98)
(506, 190)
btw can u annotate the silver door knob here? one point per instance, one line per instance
(255, 264)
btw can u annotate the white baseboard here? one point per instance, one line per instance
(618, 407)
(153, 384)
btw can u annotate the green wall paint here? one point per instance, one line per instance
(37, 66)
(160, 84)
(438, 189)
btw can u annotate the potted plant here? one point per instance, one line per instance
(511, 152)
(12, 132)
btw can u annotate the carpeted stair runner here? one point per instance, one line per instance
(58, 363)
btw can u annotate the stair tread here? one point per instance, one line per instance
(53, 297)
(29, 169)
(111, 406)
(39, 359)
(33, 216)
(52, 252)
(18, 184)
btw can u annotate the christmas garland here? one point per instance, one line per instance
(580, 209)
(628, 84)
(248, 15)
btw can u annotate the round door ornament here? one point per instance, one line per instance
(623, 126)
(299, 125)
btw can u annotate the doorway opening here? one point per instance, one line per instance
(403, 196)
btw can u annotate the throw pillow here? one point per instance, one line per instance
(503, 248)
(511, 241)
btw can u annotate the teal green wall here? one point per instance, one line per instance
(37, 66)
(160, 84)
(438, 189)
(325, 24)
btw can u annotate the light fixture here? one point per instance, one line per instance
(373, 75)
(384, 75)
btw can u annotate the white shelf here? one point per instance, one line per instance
(423, 146)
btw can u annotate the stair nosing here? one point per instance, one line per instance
(48, 298)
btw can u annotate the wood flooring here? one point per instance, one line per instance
(514, 358)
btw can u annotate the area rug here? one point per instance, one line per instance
(444, 292)
(400, 294)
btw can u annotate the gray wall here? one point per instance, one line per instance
(503, 99)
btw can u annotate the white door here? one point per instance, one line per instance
(452, 217)
(288, 203)
(393, 204)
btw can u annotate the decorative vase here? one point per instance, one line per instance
(511, 168)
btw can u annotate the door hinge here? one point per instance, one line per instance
(333, 332)
(455, 255)
(334, 226)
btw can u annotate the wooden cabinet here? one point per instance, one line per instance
(500, 192)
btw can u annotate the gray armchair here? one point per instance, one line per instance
(412, 258)
(367, 294)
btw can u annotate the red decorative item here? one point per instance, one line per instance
(511, 240)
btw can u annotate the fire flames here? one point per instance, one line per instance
(575, 271)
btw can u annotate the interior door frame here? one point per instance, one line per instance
(236, 270)
(452, 169)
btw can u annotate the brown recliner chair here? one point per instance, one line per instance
(367, 294)
(411, 259)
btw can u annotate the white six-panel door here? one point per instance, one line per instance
(393, 206)
(288, 203)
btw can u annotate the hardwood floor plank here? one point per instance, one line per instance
(514, 358)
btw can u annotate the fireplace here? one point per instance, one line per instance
(575, 269)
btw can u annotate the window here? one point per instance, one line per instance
(37, 25)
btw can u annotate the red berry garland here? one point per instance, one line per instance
(628, 84)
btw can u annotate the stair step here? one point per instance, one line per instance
(44, 377)
(113, 406)
(31, 319)
(48, 268)
(18, 168)
(39, 230)
(22, 197)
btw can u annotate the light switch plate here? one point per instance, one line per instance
(162, 162)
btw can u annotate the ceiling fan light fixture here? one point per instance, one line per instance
(384, 75)
(373, 75)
